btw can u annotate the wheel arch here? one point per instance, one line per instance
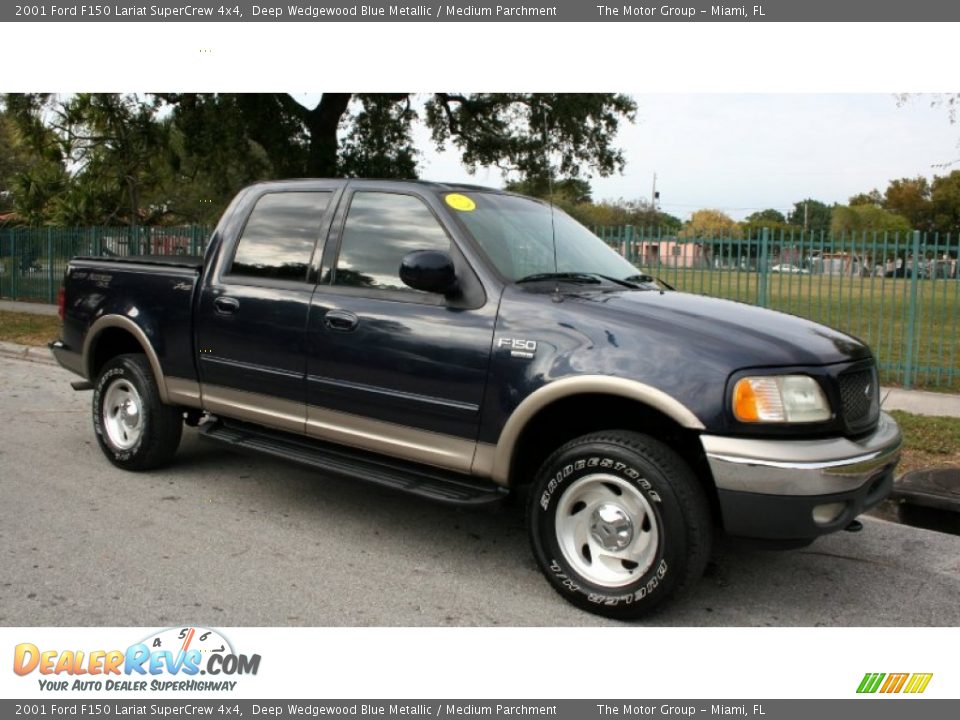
(565, 409)
(112, 335)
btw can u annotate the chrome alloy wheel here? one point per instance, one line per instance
(607, 530)
(122, 414)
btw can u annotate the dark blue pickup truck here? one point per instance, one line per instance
(459, 343)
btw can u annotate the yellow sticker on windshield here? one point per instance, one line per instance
(460, 202)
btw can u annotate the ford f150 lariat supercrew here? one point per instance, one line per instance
(460, 343)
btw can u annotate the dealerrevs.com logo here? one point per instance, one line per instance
(171, 659)
(888, 683)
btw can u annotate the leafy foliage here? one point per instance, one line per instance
(861, 218)
(810, 214)
(179, 157)
(711, 224)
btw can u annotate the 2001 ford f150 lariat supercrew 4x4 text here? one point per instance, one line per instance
(459, 343)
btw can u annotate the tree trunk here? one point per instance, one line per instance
(323, 122)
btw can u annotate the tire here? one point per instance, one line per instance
(135, 430)
(618, 523)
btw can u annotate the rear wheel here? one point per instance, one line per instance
(618, 523)
(135, 430)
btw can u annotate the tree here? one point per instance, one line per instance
(866, 218)
(621, 212)
(114, 143)
(871, 198)
(945, 203)
(770, 219)
(32, 172)
(14, 160)
(524, 133)
(180, 156)
(811, 215)
(910, 197)
(566, 192)
(379, 143)
(110, 143)
(710, 224)
(771, 216)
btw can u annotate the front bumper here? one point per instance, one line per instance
(800, 489)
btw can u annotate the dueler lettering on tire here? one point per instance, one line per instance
(618, 523)
(135, 430)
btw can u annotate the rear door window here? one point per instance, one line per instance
(278, 240)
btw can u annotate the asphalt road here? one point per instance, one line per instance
(220, 539)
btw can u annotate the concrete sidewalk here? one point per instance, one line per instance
(919, 402)
(27, 307)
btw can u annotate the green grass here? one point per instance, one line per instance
(27, 328)
(874, 309)
(928, 442)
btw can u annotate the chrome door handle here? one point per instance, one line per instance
(226, 305)
(341, 320)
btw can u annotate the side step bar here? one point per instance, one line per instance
(432, 483)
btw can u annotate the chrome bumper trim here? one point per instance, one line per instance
(802, 467)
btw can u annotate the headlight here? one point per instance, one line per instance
(779, 399)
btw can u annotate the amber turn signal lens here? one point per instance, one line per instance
(745, 402)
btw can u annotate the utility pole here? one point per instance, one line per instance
(654, 195)
(806, 215)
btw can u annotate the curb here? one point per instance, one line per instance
(29, 353)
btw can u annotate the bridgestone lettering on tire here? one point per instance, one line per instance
(134, 429)
(618, 523)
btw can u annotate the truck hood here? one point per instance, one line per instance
(746, 335)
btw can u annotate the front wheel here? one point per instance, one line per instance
(618, 523)
(135, 430)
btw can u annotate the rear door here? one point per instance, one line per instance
(252, 313)
(390, 368)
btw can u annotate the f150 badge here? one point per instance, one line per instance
(518, 347)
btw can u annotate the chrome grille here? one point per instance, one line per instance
(860, 396)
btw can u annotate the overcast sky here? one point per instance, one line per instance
(740, 153)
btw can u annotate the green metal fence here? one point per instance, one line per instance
(898, 292)
(33, 260)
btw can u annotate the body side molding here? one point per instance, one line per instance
(399, 441)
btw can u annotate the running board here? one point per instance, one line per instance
(433, 483)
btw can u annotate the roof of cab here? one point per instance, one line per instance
(433, 185)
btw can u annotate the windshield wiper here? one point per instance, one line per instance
(625, 282)
(574, 277)
(634, 282)
(649, 279)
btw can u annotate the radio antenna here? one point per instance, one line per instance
(553, 227)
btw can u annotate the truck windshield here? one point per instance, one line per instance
(517, 234)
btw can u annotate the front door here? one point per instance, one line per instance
(393, 369)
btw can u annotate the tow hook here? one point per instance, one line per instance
(854, 526)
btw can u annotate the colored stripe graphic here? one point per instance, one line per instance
(894, 682)
(918, 682)
(870, 682)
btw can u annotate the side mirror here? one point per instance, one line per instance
(430, 271)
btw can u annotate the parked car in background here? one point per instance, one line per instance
(790, 269)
